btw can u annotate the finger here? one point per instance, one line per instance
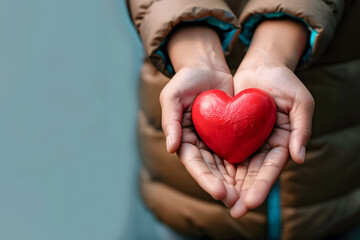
(241, 170)
(210, 160)
(231, 195)
(211, 164)
(230, 168)
(301, 120)
(252, 172)
(172, 112)
(220, 163)
(245, 176)
(239, 209)
(283, 121)
(270, 170)
(187, 120)
(192, 159)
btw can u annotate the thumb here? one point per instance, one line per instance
(171, 117)
(301, 119)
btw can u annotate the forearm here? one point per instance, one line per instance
(277, 43)
(197, 46)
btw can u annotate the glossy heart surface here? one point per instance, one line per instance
(234, 128)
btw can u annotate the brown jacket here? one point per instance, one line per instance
(318, 198)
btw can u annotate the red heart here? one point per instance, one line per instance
(234, 128)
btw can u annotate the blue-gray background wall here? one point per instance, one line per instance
(68, 99)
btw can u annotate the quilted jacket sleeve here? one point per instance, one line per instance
(155, 19)
(320, 16)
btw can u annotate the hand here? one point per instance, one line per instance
(198, 59)
(295, 105)
(270, 67)
(213, 174)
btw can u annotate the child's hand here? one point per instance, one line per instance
(269, 66)
(198, 59)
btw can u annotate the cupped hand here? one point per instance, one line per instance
(213, 174)
(295, 106)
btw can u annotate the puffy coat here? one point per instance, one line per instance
(320, 197)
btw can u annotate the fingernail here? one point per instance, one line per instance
(302, 153)
(169, 141)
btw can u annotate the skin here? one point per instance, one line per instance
(199, 62)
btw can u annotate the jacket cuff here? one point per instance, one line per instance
(248, 29)
(321, 18)
(157, 23)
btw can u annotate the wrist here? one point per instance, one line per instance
(196, 47)
(276, 43)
